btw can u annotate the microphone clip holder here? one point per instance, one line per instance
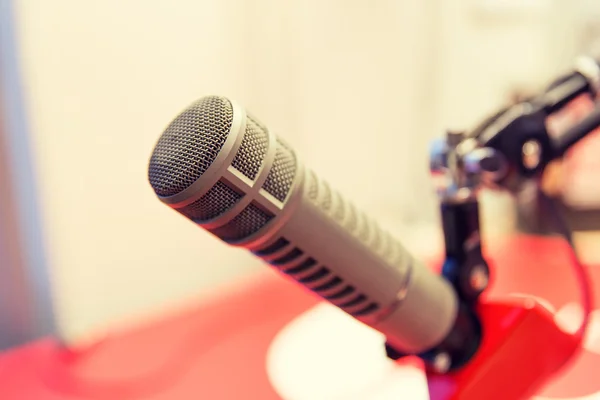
(459, 169)
(498, 343)
(512, 146)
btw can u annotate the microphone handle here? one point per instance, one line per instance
(327, 245)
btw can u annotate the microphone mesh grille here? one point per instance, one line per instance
(247, 222)
(189, 145)
(216, 201)
(253, 149)
(281, 176)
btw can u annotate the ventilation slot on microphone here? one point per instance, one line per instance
(345, 298)
(330, 284)
(320, 273)
(282, 173)
(216, 201)
(247, 222)
(340, 294)
(350, 306)
(370, 308)
(288, 257)
(251, 153)
(306, 264)
(357, 300)
(272, 248)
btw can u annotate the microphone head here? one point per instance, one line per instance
(189, 145)
(220, 167)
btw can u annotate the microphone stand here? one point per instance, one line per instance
(520, 346)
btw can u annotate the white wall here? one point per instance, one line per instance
(103, 79)
(359, 87)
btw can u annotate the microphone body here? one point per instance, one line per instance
(224, 170)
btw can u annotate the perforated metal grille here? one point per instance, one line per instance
(281, 176)
(247, 222)
(216, 201)
(189, 145)
(251, 153)
(258, 122)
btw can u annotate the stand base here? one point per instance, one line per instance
(521, 348)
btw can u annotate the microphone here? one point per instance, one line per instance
(222, 168)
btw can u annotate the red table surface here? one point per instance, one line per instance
(217, 350)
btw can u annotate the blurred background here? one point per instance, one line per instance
(359, 88)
